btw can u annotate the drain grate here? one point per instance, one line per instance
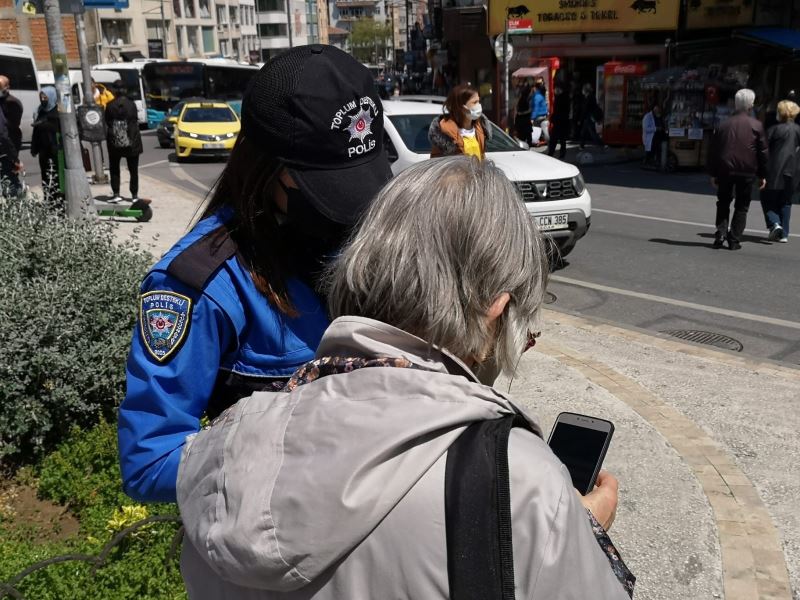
(706, 337)
(549, 297)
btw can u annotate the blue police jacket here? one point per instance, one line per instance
(538, 105)
(205, 338)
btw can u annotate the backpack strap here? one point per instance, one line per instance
(480, 555)
(195, 265)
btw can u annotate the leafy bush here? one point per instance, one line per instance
(83, 474)
(66, 315)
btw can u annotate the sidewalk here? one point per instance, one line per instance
(705, 446)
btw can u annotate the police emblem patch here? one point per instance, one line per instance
(163, 321)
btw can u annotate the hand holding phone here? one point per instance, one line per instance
(602, 500)
(581, 442)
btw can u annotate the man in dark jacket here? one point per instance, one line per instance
(737, 157)
(560, 121)
(10, 165)
(12, 110)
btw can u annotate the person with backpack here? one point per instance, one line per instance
(124, 141)
(234, 306)
(367, 475)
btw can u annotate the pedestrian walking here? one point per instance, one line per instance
(590, 115)
(560, 121)
(653, 134)
(12, 110)
(124, 141)
(737, 157)
(45, 140)
(539, 113)
(462, 129)
(367, 477)
(783, 178)
(523, 126)
(232, 308)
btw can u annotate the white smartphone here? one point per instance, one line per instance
(581, 442)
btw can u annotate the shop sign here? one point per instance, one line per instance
(677, 132)
(701, 14)
(588, 16)
(520, 26)
(638, 69)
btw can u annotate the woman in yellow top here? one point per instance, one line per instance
(462, 129)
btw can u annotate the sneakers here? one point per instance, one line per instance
(718, 242)
(784, 240)
(115, 200)
(734, 245)
(775, 233)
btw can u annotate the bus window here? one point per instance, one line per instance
(227, 83)
(20, 72)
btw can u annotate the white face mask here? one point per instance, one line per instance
(475, 112)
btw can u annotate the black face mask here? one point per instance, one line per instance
(313, 240)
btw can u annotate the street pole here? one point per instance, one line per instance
(76, 186)
(88, 96)
(289, 20)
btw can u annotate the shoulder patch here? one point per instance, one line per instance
(164, 320)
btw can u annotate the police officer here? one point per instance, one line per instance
(231, 308)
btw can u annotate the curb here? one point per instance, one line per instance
(753, 562)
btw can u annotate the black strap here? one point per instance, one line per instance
(197, 263)
(480, 556)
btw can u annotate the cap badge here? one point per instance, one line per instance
(361, 114)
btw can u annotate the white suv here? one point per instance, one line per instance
(553, 191)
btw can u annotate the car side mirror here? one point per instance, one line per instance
(172, 119)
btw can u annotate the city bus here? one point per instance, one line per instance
(167, 82)
(130, 73)
(17, 63)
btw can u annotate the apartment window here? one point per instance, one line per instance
(204, 11)
(272, 30)
(234, 16)
(116, 32)
(236, 49)
(222, 15)
(223, 47)
(155, 30)
(271, 5)
(188, 9)
(176, 8)
(191, 36)
(208, 40)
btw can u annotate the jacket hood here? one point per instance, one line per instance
(286, 484)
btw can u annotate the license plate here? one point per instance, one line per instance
(550, 222)
(215, 146)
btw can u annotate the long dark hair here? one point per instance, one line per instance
(454, 105)
(246, 186)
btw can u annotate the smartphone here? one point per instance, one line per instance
(581, 442)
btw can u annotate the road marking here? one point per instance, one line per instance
(180, 173)
(692, 305)
(153, 164)
(676, 221)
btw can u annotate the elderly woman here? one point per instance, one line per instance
(337, 486)
(782, 171)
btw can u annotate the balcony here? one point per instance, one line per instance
(356, 3)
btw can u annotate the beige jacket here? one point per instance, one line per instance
(336, 489)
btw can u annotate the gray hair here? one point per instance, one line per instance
(744, 99)
(435, 249)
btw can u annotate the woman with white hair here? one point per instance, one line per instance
(336, 487)
(782, 175)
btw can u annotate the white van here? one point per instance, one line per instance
(131, 75)
(16, 63)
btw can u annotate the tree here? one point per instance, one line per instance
(369, 40)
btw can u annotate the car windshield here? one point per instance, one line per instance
(413, 130)
(208, 115)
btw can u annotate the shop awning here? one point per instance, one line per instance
(530, 72)
(780, 37)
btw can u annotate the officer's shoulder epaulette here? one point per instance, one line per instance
(197, 263)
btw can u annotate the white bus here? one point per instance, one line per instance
(104, 77)
(16, 63)
(131, 75)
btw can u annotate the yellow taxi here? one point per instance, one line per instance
(205, 129)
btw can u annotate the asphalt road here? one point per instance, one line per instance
(647, 260)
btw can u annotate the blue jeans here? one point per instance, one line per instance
(777, 206)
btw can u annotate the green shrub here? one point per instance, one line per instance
(66, 315)
(83, 474)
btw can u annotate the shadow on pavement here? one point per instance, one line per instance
(745, 238)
